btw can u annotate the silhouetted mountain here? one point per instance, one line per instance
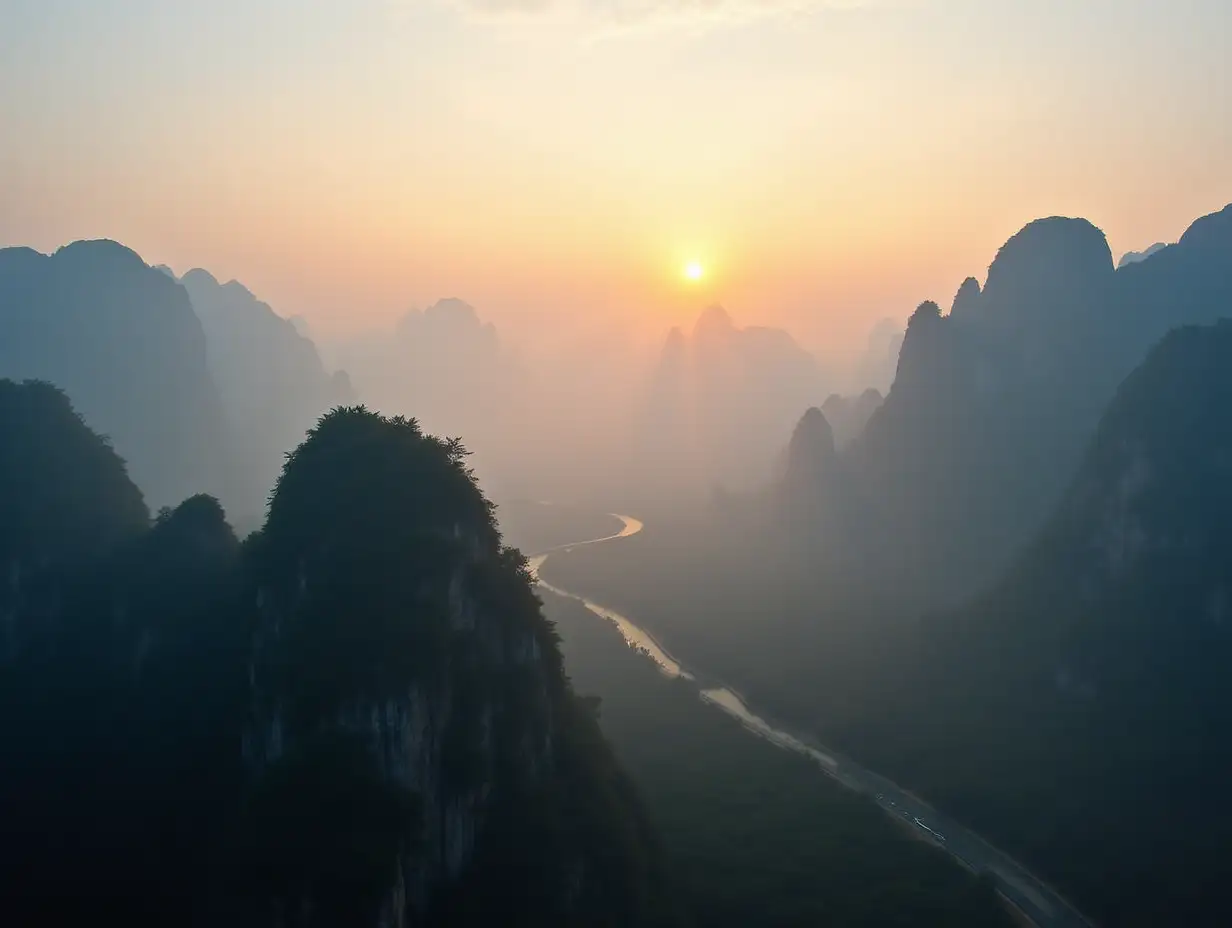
(723, 394)
(993, 403)
(848, 415)
(444, 366)
(1133, 257)
(966, 300)
(875, 368)
(811, 453)
(302, 326)
(1081, 709)
(359, 717)
(66, 494)
(270, 378)
(121, 678)
(123, 342)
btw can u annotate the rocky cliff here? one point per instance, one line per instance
(358, 717)
(993, 402)
(1079, 710)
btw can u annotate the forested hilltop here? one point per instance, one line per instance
(358, 716)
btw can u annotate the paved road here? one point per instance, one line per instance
(1041, 904)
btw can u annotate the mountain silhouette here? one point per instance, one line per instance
(122, 340)
(359, 715)
(1133, 257)
(721, 395)
(1080, 709)
(848, 415)
(993, 403)
(272, 384)
(443, 365)
(875, 368)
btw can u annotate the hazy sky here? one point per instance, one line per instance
(829, 162)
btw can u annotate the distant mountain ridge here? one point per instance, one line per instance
(270, 378)
(123, 341)
(442, 364)
(1133, 257)
(721, 394)
(993, 402)
(201, 386)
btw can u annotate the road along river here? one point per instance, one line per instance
(1042, 905)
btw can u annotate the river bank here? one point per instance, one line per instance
(1030, 895)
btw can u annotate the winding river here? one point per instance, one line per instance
(1031, 896)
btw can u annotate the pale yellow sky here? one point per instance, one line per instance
(559, 162)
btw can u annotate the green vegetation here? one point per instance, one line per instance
(359, 716)
(757, 835)
(1075, 715)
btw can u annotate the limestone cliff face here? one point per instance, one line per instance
(358, 717)
(391, 617)
(431, 734)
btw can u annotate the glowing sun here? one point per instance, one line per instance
(694, 271)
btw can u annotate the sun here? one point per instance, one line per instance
(694, 271)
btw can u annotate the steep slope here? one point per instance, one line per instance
(848, 415)
(448, 682)
(359, 717)
(122, 340)
(994, 402)
(120, 677)
(270, 379)
(1080, 710)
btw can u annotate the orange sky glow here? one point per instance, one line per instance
(827, 165)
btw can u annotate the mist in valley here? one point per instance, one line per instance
(451, 476)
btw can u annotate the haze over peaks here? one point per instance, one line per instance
(992, 402)
(123, 341)
(1117, 610)
(719, 395)
(200, 385)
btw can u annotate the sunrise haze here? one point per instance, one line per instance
(557, 162)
